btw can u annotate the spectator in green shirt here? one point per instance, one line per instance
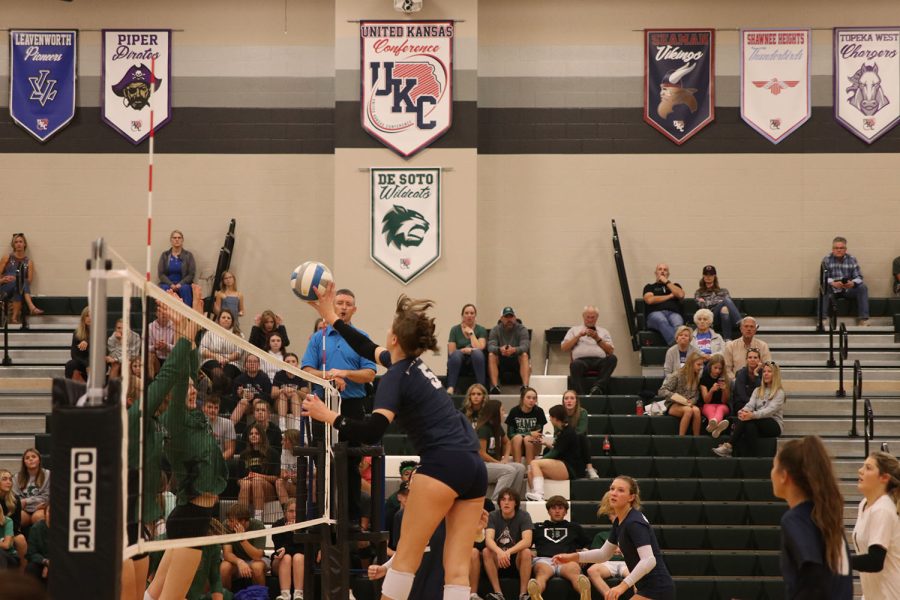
(245, 559)
(466, 346)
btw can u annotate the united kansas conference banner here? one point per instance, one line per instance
(867, 80)
(42, 80)
(775, 92)
(137, 81)
(679, 81)
(406, 220)
(407, 82)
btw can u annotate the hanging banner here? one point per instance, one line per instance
(775, 80)
(42, 80)
(407, 82)
(679, 81)
(136, 80)
(406, 220)
(867, 80)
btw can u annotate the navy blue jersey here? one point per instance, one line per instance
(422, 407)
(802, 546)
(635, 531)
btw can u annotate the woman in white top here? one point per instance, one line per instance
(876, 536)
(218, 355)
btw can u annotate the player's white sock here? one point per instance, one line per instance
(457, 592)
(147, 595)
(397, 584)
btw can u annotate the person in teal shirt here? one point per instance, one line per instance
(466, 345)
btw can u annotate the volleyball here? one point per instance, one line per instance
(310, 279)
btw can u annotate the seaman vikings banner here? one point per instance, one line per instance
(407, 78)
(679, 81)
(867, 80)
(42, 80)
(406, 220)
(137, 80)
(775, 90)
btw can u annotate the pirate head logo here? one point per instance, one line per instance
(403, 227)
(672, 92)
(136, 86)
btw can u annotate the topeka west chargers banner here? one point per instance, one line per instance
(137, 80)
(775, 91)
(406, 220)
(679, 81)
(42, 80)
(407, 80)
(867, 80)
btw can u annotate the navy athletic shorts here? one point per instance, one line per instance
(188, 520)
(464, 472)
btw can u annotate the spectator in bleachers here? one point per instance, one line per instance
(37, 559)
(221, 356)
(705, 340)
(555, 536)
(762, 417)
(12, 506)
(508, 539)
(525, 425)
(32, 485)
(77, 366)
(495, 451)
(286, 486)
(876, 535)
(566, 460)
(736, 350)
(746, 380)
(262, 416)
(476, 396)
(9, 558)
(287, 560)
(508, 347)
(681, 392)
(895, 283)
(634, 536)
(245, 559)
(662, 304)
(264, 324)
(814, 554)
(251, 385)
(229, 297)
(677, 353)
(845, 280)
(160, 339)
(260, 469)
(466, 345)
(715, 392)
(222, 428)
(718, 300)
(176, 269)
(598, 573)
(288, 391)
(115, 353)
(578, 418)
(592, 352)
(16, 274)
(275, 348)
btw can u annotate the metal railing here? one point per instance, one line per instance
(868, 425)
(843, 351)
(832, 326)
(820, 299)
(857, 394)
(626, 292)
(4, 315)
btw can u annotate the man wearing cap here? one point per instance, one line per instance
(508, 345)
(592, 350)
(845, 280)
(662, 304)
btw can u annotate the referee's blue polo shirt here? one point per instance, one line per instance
(338, 355)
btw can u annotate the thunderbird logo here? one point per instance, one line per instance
(403, 228)
(775, 86)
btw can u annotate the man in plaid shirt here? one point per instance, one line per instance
(845, 280)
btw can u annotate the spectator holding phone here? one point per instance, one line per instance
(844, 280)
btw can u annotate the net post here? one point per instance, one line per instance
(98, 265)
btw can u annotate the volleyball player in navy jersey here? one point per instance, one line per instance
(451, 480)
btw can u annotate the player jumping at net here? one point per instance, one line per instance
(451, 480)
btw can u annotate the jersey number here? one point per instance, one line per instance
(430, 376)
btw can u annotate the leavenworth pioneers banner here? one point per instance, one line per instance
(42, 80)
(407, 80)
(137, 80)
(406, 220)
(775, 92)
(867, 79)
(679, 81)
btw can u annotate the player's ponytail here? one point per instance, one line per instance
(413, 327)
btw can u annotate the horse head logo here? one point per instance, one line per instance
(672, 92)
(404, 227)
(865, 90)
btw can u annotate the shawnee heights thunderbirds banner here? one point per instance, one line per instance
(775, 92)
(867, 80)
(137, 80)
(407, 82)
(679, 81)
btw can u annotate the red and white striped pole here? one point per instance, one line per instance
(150, 171)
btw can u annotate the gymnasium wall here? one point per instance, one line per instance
(547, 146)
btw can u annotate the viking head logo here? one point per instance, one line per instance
(136, 86)
(403, 227)
(672, 92)
(865, 90)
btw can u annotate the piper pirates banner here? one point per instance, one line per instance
(407, 82)
(42, 80)
(775, 80)
(136, 81)
(406, 220)
(867, 80)
(679, 81)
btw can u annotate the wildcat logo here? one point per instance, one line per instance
(403, 228)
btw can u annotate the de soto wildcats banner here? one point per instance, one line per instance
(407, 80)
(679, 81)
(775, 78)
(136, 80)
(867, 80)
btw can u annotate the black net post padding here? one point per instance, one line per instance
(86, 523)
